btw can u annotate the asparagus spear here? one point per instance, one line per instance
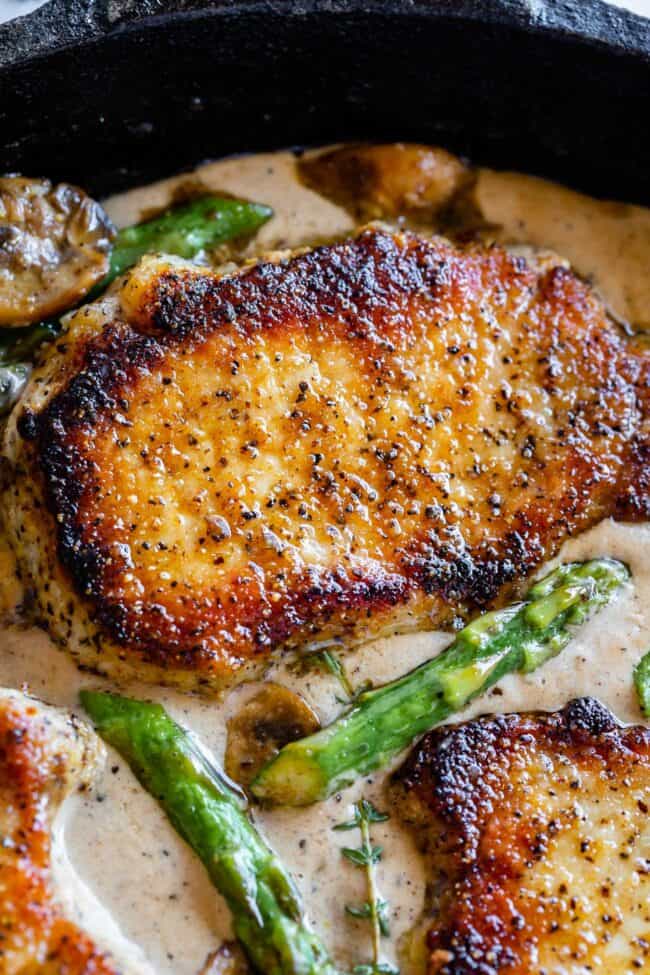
(18, 345)
(384, 721)
(211, 816)
(183, 230)
(642, 683)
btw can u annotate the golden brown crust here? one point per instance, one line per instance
(42, 756)
(376, 435)
(535, 829)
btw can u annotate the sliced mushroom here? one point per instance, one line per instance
(400, 179)
(229, 959)
(264, 724)
(55, 244)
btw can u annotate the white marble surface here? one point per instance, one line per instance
(16, 8)
(639, 6)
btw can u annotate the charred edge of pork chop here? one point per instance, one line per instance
(44, 755)
(365, 294)
(534, 827)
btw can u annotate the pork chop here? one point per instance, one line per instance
(380, 435)
(536, 832)
(44, 755)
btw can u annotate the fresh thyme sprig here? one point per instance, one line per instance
(363, 810)
(381, 968)
(375, 909)
(329, 661)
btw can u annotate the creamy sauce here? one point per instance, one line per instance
(607, 243)
(122, 871)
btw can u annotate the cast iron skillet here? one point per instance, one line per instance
(114, 92)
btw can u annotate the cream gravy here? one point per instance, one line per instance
(122, 871)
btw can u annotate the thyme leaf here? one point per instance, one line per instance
(364, 856)
(381, 907)
(362, 911)
(380, 968)
(327, 660)
(370, 813)
(375, 909)
(350, 824)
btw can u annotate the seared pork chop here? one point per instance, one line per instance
(537, 838)
(44, 755)
(379, 435)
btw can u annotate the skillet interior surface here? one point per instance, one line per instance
(117, 92)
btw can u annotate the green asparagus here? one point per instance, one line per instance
(210, 814)
(385, 720)
(17, 347)
(183, 230)
(642, 683)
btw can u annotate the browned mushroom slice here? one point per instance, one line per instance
(263, 725)
(229, 959)
(419, 182)
(55, 244)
